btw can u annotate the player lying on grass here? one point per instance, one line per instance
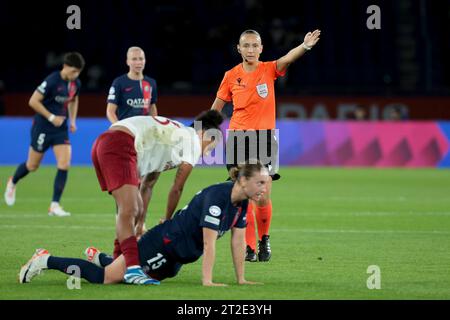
(191, 233)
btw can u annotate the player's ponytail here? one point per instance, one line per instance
(246, 169)
(234, 172)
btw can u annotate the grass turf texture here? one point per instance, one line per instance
(328, 227)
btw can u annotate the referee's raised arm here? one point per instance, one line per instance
(309, 42)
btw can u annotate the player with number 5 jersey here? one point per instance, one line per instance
(55, 102)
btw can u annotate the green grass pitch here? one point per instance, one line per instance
(329, 225)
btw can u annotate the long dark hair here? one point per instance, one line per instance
(210, 119)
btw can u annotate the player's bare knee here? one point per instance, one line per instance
(32, 166)
(129, 212)
(63, 165)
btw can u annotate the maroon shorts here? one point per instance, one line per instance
(115, 160)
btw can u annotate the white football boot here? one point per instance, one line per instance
(10, 192)
(57, 211)
(34, 266)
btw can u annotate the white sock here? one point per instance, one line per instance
(44, 261)
(133, 267)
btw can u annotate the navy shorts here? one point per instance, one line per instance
(41, 139)
(155, 260)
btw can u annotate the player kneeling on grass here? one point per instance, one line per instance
(191, 233)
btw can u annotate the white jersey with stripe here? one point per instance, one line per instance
(161, 143)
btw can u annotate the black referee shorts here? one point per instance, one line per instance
(243, 145)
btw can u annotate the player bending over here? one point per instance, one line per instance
(143, 146)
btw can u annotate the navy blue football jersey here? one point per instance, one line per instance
(58, 93)
(210, 208)
(132, 97)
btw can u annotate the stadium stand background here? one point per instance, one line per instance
(190, 44)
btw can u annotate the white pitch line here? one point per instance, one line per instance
(368, 213)
(332, 198)
(107, 215)
(361, 231)
(45, 199)
(44, 215)
(376, 199)
(37, 226)
(362, 198)
(274, 230)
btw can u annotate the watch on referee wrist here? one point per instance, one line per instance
(51, 118)
(307, 48)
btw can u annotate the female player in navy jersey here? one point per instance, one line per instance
(55, 102)
(132, 94)
(191, 233)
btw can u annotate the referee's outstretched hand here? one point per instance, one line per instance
(312, 38)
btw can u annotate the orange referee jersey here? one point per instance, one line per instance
(252, 94)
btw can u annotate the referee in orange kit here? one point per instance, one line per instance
(251, 135)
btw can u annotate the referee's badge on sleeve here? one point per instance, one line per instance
(262, 90)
